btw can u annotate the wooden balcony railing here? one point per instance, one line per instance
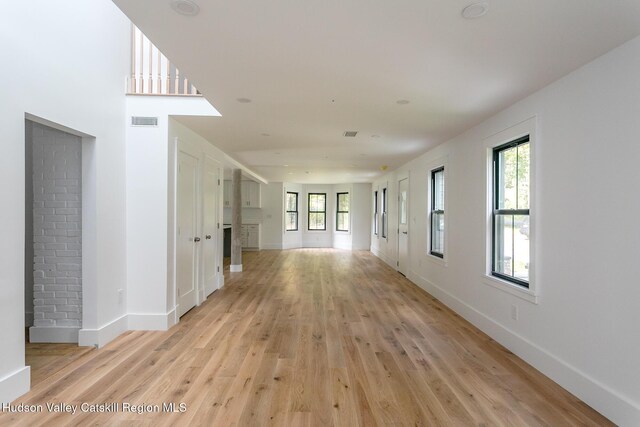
(152, 73)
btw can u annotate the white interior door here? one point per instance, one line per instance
(211, 227)
(187, 239)
(403, 226)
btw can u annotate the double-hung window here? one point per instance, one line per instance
(342, 212)
(317, 211)
(292, 212)
(384, 213)
(510, 218)
(375, 212)
(437, 213)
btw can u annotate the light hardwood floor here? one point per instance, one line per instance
(312, 337)
(47, 359)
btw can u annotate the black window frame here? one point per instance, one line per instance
(384, 213)
(375, 212)
(495, 206)
(434, 211)
(309, 212)
(338, 211)
(290, 212)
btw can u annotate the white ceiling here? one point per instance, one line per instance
(314, 69)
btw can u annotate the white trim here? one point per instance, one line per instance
(15, 384)
(526, 127)
(618, 408)
(54, 334)
(272, 246)
(442, 262)
(511, 288)
(237, 268)
(220, 280)
(149, 321)
(103, 335)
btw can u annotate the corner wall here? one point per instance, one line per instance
(583, 332)
(73, 76)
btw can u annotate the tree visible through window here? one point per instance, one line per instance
(511, 192)
(291, 218)
(317, 211)
(342, 212)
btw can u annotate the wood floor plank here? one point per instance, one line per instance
(307, 337)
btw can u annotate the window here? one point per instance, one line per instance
(291, 219)
(342, 212)
(317, 211)
(437, 213)
(384, 213)
(375, 212)
(510, 222)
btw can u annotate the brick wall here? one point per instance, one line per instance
(57, 228)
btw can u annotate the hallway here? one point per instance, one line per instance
(311, 337)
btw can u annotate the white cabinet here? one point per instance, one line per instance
(250, 194)
(250, 236)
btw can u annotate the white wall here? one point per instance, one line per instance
(583, 332)
(272, 218)
(73, 76)
(150, 189)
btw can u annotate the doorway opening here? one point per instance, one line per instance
(53, 248)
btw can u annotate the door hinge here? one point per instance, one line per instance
(218, 267)
(218, 226)
(397, 263)
(218, 182)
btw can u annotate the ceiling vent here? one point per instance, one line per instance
(351, 133)
(144, 121)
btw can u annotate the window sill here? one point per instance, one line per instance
(437, 260)
(511, 288)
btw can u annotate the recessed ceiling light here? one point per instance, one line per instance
(307, 172)
(286, 166)
(290, 173)
(277, 152)
(375, 136)
(243, 100)
(475, 10)
(265, 134)
(402, 102)
(185, 7)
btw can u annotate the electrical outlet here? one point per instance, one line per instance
(514, 312)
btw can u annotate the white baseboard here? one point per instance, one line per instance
(101, 336)
(347, 247)
(220, 280)
(383, 257)
(15, 385)
(235, 268)
(271, 246)
(609, 403)
(53, 334)
(150, 321)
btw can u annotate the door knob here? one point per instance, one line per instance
(404, 232)
(196, 239)
(208, 236)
